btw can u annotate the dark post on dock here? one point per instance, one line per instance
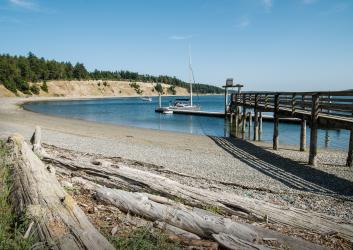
(330, 110)
(229, 85)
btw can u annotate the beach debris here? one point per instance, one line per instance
(55, 215)
(114, 230)
(118, 176)
(202, 223)
(126, 178)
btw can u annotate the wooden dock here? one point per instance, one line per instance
(221, 115)
(320, 109)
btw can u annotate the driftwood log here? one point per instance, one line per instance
(120, 176)
(123, 177)
(59, 223)
(193, 221)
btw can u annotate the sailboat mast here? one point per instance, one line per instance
(190, 76)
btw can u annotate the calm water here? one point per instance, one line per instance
(135, 112)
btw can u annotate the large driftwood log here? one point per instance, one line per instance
(228, 233)
(58, 221)
(123, 177)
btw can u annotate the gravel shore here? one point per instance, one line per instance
(251, 169)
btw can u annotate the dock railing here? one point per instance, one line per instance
(332, 109)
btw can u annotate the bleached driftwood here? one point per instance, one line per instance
(58, 221)
(123, 177)
(175, 230)
(185, 237)
(202, 223)
(36, 141)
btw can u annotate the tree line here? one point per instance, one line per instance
(16, 72)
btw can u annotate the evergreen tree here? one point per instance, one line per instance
(17, 72)
(80, 72)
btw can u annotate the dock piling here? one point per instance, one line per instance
(256, 119)
(225, 102)
(236, 121)
(260, 125)
(250, 124)
(303, 134)
(313, 130)
(275, 122)
(244, 116)
(349, 162)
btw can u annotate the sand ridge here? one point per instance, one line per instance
(76, 88)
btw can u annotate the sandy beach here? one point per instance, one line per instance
(250, 169)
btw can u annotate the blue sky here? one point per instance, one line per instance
(266, 45)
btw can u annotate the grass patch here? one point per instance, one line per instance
(11, 231)
(144, 239)
(214, 209)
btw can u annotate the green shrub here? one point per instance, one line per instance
(44, 87)
(171, 90)
(144, 239)
(34, 89)
(10, 86)
(23, 87)
(159, 88)
(136, 86)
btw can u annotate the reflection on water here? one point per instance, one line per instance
(137, 113)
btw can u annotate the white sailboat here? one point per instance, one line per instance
(185, 103)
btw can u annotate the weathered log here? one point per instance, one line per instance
(194, 243)
(231, 242)
(175, 230)
(124, 177)
(36, 141)
(121, 176)
(58, 221)
(225, 231)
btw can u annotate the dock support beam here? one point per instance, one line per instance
(256, 119)
(275, 122)
(313, 130)
(260, 125)
(350, 151)
(250, 125)
(225, 101)
(236, 121)
(244, 116)
(303, 134)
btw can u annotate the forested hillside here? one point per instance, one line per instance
(16, 72)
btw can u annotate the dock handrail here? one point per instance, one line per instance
(336, 104)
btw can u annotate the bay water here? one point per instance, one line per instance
(133, 111)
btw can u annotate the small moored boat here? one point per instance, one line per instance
(146, 99)
(167, 111)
